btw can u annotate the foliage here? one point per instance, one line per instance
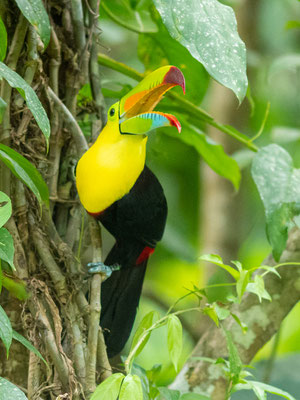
(201, 38)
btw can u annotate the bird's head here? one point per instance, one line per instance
(134, 113)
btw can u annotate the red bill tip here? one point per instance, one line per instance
(173, 121)
(175, 77)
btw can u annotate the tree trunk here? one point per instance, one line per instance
(57, 318)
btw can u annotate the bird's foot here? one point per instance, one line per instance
(100, 268)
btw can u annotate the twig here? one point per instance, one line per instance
(38, 310)
(56, 139)
(34, 374)
(5, 93)
(94, 66)
(95, 309)
(77, 134)
(52, 268)
(102, 360)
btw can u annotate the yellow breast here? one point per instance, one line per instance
(109, 169)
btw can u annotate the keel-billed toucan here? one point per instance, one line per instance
(116, 187)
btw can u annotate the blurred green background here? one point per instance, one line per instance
(205, 213)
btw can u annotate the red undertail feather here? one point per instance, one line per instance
(145, 254)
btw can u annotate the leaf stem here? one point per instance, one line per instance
(186, 105)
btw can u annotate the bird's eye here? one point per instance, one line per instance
(112, 112)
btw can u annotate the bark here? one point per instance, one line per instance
(57, 317)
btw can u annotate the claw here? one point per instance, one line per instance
(101, 268)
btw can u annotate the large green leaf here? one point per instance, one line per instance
(174, 339)
(158, 49)
(7, 249)
(131, 388)
(137, 19)
(5, 330)
(278, 184)
(260, 389)
(25, 171)
(34, 11)
(5, 208)
(30, 97)
(145, 324)
(109, 389)
(9, 391)
(3, 40)
(208, 29)
(28, 345)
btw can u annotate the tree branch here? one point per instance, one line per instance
(263, 321)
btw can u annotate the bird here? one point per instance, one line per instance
(117, 188)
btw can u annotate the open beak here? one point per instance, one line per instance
(136, 108)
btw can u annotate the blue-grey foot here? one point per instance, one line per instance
(101, 268)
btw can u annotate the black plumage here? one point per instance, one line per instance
(137, 221)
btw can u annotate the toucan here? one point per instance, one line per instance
(116, 188)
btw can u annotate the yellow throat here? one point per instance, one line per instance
(110, 168)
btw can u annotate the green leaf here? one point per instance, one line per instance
(292, 25)
(208, 29)
(138, 20)
(5, 208)
(109, 389)
(238, 265)
(174, 339)
(193, 396)
(210, 311)
(243, 326)
(217, 260)
(131, 388)
(158, 49)
(25, 171)
(30, 97)
(34, 11)
(7, 249)
(3, 106)
(9, 391)
(16, 287)
(210, 151)
(270, 269)
(5, 330)
(221, 312)
(143, 375)
(145, 324)
(27, 344)
(168, 394)
(3, 40)
(260, 388)
(258, 287)
(278, 184)
(242, 283)
(234, 358)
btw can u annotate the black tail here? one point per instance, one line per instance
(120, 295)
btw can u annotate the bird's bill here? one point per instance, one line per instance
(136, 108)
